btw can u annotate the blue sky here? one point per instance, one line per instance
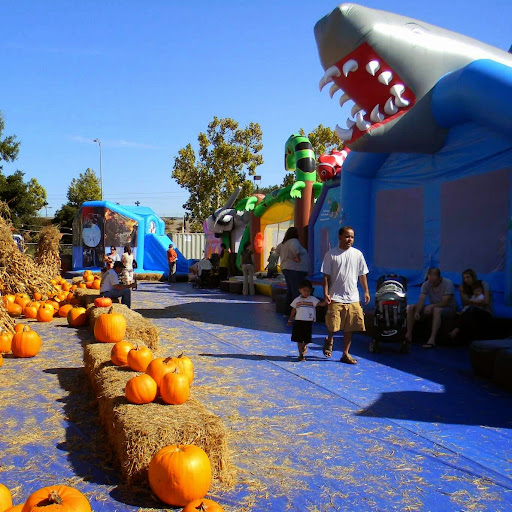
(146, 77)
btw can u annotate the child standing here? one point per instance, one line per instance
(304, 313)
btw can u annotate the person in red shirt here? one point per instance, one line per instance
(172, 256)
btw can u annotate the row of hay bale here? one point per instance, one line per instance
(137, 432)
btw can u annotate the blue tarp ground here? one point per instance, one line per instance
(395, 432)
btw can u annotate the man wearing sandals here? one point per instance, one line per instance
(440, 294)
(343, 267)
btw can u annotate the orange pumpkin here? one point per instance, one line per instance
(180, 474)
(64, 310)
(186, 366)
(8, 298)
(37, 296)
(66, 286)
(20, 327)
(5, 341)
(5, 497)
(16, 508)
(14, 309)
(77, 316)
(57, 498)
(89, 278)
(1, 364)
(82, 285)
(110, 327)
(103, 302)
(203, 505)
(30, 310)
(26, 343)
(119, 353)
(141, 389)
(96, 284)
(22, 301)
(159, 367)
(139, 358)
(45, 313)
(174, 388)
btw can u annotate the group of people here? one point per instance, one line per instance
(117, 279)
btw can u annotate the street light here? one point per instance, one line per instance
(101, 175)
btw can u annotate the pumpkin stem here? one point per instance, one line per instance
(201, 507)
(111, 310)
(54, 497)
(182, 354)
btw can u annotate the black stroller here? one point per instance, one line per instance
(390, 317)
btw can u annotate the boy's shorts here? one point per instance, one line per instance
(347, 317)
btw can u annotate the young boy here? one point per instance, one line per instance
(304, 313)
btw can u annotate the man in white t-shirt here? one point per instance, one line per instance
(343, 267)
(110, 286)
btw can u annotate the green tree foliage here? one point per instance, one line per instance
(227, 155)
(9, 147)
(24, 199)
(84, 188)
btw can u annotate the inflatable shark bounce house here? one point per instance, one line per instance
(428, 180)
(100, 225)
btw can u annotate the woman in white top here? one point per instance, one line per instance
(294, 262)
(127, 261)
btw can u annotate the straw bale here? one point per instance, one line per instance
(137, 432)
(86, 296)
(18, 272)
(47, 252)
(138, 328)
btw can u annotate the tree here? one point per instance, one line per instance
(24, 199)
(9, 147)
(227, 154)
(84, 188)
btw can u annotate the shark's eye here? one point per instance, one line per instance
(416, 29)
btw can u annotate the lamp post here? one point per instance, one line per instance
(101, 174)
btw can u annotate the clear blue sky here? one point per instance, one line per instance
(145, 77)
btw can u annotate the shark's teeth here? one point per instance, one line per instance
(376, 116)
(355, 109)
(372, 67)
(344, 99)
(333, 90)
(397, 90)
(361, 123)
(350, 65)
(342, 133)
(385, 77)
(350, 123)
(390, 107)
(328, 76)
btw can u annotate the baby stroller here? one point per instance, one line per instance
(390, 317)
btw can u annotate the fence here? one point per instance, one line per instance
(191, 245)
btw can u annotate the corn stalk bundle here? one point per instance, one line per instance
(18, 272)
(47, 253)
(6, 322)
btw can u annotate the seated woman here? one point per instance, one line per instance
(476, 315)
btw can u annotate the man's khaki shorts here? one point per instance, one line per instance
(347, 317)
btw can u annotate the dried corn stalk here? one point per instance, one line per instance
(6, 322)
(47, 253)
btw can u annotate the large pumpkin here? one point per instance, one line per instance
(16, 508)
(141, 389)
(5, 341)
(77, 316)
(26, 343)
(180, 474)
(64, 310)
(110, 327)
(159, 367)
(55, 498)
(103, 302)
(5, 498)
(203, 505)
(139, 358)
(45, 313)
(119, 353)
(174, 388)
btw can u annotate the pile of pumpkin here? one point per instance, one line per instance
(63, 497)
(89, 280)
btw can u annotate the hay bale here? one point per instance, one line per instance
(86, 296)
(138, 328)
(137, 432)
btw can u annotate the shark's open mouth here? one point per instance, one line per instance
(378, 92)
